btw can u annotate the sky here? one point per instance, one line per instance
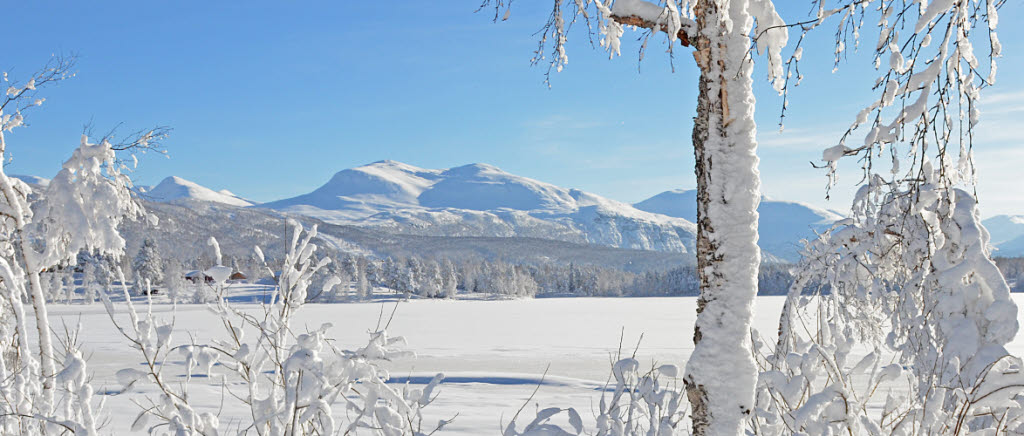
(270, 99)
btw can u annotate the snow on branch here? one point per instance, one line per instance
(143, 140)
(922, 294)
(640, 13)
(22, 95)
(674, 18)
(84, 204)
(929, 83)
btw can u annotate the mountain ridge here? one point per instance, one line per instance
(483, 200)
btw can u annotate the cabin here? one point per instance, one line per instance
(196, 276)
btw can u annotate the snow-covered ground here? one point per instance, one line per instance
(492, 352)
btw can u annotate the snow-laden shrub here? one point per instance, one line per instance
(292, 383)
(634, 402)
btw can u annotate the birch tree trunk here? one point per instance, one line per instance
(46, 358)
(721, 374)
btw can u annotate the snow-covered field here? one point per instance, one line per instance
(492, 352)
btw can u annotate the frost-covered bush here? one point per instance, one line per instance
(635, 402)
(291, 382)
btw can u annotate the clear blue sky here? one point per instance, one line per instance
(269, 99)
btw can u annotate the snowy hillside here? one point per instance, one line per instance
(482, 200)
(176, 188)
(781, 225)
(185, 225)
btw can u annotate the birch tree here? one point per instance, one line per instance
(79, 210)
(910, 271)
(927, 96)
(721, 374)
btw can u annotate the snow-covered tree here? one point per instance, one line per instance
(99, 265)
(728, 183)
(174, 280)
(79, 210)
(67, 282)
(388, 274)
(928, 93)
(89, 284)
(411, 276)
(449, 279)
(431, 281)
(910, 270)
(148, 266)
(361, 278)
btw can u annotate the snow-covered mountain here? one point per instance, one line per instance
(1007, 232)
(781, 224)
(1004, 228)
(176, 188)
(484, 201)
(33, 181)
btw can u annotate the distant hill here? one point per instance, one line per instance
(1007, 233)
(176, 188)
(781, 224)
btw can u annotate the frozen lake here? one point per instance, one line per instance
(492, 352)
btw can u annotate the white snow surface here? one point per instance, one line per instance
(176, 188)
(781, 224)
(483, 200)
(492, 353)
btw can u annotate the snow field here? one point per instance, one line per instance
(493, 353)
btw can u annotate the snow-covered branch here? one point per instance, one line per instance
(929, 84)
(921, 292)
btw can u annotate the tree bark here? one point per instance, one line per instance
(721, 373)
(46, 358)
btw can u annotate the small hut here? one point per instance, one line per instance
(196, 277)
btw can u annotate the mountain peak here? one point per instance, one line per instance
(388, 164)
(176, 181)
(176, 188)
(475, 168)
